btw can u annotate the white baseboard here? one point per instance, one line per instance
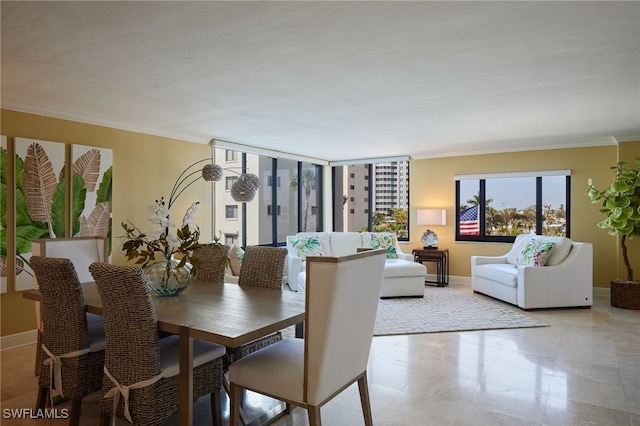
(19, 339)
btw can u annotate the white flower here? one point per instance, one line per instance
(190, 216)
(156, 233)
(173, 241)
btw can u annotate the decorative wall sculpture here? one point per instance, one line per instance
(40, 207)
(91, 191)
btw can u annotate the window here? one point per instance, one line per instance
(277, 210)
(382, 191)
(230, 155)
(271, 181)
(231, 239)
(231, 211)
(270, 210)
(229, 181)
(498, 207)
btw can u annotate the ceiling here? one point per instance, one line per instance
(334, 80)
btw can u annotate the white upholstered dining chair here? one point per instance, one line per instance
(335, 350)
(82, 252)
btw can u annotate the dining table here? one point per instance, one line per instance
(227, 314)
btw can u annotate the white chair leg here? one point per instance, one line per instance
(364, 399)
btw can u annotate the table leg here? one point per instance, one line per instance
(186, 377)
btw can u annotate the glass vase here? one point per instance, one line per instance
(166, 278)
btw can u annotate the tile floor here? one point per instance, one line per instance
(582, 370)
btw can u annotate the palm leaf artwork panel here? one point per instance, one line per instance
(4, 158)
(40, 208)
(91, 191)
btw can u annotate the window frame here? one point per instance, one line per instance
(482, 179)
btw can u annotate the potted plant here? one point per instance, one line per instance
(620, 203)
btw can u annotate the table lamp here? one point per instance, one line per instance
(431, 217)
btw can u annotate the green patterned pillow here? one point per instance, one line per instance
(307, 246)
(236, 254)
(535, 253)
(385, 241)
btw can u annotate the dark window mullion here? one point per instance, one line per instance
(539, 206)
(274, 202)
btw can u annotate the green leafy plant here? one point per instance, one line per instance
(620, 203)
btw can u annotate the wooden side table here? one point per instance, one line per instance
(441, 260)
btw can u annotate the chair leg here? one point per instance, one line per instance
(74, 415)
(313, 411)
(235, 395)
(105, 420)
(38, 352)
(364, 399)
(216, 407)
(288, 408)
(43, 394)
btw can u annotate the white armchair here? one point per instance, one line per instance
(565, 278)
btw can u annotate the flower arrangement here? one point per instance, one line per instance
(143, 246)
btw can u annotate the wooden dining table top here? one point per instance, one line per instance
(226, 314)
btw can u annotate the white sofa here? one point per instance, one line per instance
(564, 278)
(402, 276)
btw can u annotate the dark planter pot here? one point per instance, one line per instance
(625, 294)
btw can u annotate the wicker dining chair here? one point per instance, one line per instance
(261, 267)
(137, 358)
(210, 261)
(82, 252)
(72, 356)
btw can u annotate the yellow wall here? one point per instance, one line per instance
(433, 185)
(144, 168)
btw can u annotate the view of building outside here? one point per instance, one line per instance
(379, 190)
(510, 206)
(283, 183)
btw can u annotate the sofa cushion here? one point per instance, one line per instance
(503, 273)
(560, 251)
(516, 248)
(236, 254)
(383, 240)
(345, 243)
(535, 252)
(394, 268)
(307, 246)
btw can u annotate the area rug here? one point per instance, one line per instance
(446, 309)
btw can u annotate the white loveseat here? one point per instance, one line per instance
(564, 277)
(402, 276)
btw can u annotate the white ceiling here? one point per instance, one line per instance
(334, 80)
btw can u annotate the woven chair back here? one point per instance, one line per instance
(263, 267)
(210, 261)
(63, 309)
(132, 353)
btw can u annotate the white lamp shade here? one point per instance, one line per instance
(432, 217)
